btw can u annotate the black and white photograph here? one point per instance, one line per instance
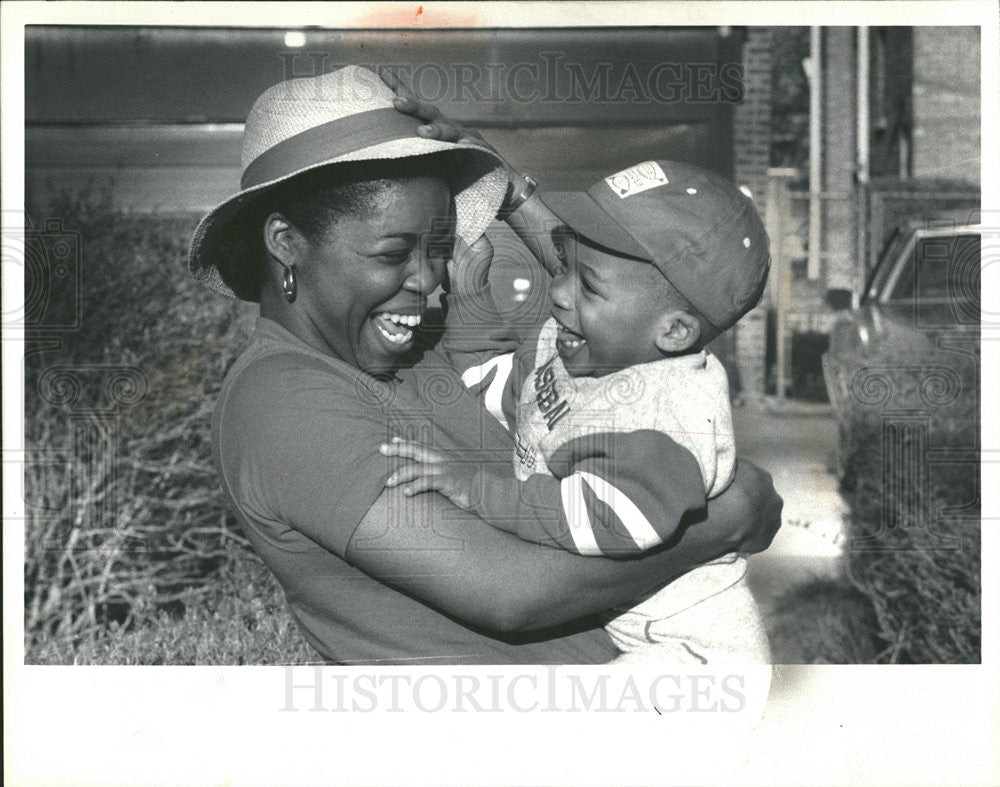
(512, 375)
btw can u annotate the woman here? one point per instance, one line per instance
(342, 228)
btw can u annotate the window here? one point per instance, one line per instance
(943, 268)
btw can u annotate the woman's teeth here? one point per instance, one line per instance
(412, 320)
(397, 328)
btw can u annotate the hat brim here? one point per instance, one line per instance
(586, 218)
(475, 205)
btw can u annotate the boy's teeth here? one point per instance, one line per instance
(570, 340)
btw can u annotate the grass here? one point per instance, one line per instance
(924, 586)
(912, 593)
(130, 554)
(825, 621)
(237, 616)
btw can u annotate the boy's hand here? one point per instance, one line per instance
(430, 470)
(436, 125)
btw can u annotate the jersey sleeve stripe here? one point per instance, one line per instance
(577, 518)
(630, 515)
(493, 401)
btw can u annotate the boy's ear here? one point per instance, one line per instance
(282, 240)
(677, 331)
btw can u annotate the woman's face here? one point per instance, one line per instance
(364, 286)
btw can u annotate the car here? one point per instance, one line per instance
(909, 349)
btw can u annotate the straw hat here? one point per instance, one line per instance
(345, 115)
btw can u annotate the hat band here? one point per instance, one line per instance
(328, 141)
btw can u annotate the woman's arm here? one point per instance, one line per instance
(458, 564)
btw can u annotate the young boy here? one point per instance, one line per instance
(656, 261)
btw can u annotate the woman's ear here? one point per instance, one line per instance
(677, 331)
(282, 240)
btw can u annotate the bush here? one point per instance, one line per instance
(913, 488)
(126, 525)
(824, 621)
(236, 616)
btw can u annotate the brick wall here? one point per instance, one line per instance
(752, 142)
(752, 122)
(946, 106)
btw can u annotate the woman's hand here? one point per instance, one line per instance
(430, 470)
(752, 491)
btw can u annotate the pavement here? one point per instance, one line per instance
(832, 724)
(796, 442)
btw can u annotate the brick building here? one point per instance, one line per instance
(752, 137)
(922, 134)
(946, 103)
(904, 144)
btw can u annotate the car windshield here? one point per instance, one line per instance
(884, 265)
(939, 268)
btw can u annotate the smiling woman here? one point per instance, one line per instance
(347, 218)
(363, 257)
(370, 278)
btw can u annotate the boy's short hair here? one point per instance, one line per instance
(701, 232)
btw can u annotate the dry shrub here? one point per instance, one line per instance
(125, 518)
(240, 617)
(914, 549)
(824, 621)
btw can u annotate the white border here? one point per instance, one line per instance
(833, 725)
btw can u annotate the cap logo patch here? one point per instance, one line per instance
(637, 179)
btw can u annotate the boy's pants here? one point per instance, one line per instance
(707, 616)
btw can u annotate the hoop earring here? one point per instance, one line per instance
(289, 288)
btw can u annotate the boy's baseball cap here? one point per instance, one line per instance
(697, 228)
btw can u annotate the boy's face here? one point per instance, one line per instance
(608, 309)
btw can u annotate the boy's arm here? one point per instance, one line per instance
(533, 223)
(479, 342)
(611, 494)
